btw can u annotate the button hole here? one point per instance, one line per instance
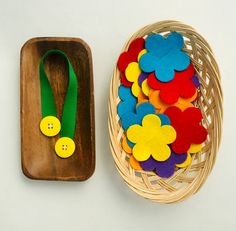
(64, 147)
(50, 126)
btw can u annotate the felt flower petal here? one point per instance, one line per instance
(195, 81)
(132, 72)
(168, 133)
(180, 145)
(179, 158)
(148, 62)
(142, 98)
(134, 163)
(125, 82)
(164, 74)
(128, 101)
(126, 146)
(145, 87)
(154, 42)
(200, 135)
(151, 121)
(188, 89)
(145, 109)
(148, 165)
(180, 60)
(142, 77)
(136, 89)
(133, 133)
(140, 151)
(169, 96)
(125, 94)
(194, 148)
(186, 163)
(130, 143)
(164, 119)
(165, 170)
(153, 82)
(137, 44)
(142, 52)
(193, 114)
(176, 39)
(189, 100)
(173, 113)
(161, 152)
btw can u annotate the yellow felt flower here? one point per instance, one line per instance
(151, 139)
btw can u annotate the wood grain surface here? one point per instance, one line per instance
(39, 160)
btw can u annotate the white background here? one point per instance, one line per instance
(104, 202)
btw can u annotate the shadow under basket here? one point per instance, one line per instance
(39, 160)
(185, 181)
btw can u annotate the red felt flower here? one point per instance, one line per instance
(180, 86)
(131, 55)
(187, 126)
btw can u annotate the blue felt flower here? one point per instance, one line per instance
(128, 101)
(164, 56)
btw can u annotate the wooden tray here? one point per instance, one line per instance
(38, 157)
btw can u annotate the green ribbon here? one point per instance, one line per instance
(68, 119)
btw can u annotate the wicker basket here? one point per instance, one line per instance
(186, 181)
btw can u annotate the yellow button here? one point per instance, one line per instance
(50, 126)
(65, 147)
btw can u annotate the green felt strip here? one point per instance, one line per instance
(68, 119)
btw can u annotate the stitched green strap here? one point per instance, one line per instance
(68, 119)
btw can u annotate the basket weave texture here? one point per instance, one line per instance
(186, 181)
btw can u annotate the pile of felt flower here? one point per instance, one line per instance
(159, 88)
